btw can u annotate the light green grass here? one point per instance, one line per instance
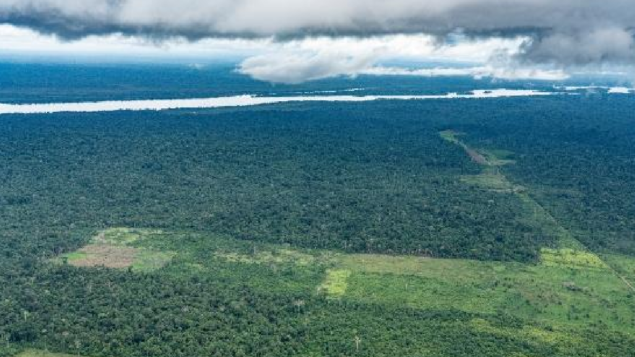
(69, 257)
(336, 282)
(269, 267)
(75, 256)
(571, 258)
(560, 292)
(534, 334)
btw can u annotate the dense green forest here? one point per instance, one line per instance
(321, 186)
(355, 178)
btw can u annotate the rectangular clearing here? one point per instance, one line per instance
(120, 248)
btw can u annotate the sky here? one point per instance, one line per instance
(293, 41)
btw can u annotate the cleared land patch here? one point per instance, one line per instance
(568, 289)
(103, 255)
(117, 248)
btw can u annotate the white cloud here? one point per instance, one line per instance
(324, 57)
(298, 68)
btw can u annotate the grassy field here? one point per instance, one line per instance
(624, 267)
(335, 283)
(567, 289)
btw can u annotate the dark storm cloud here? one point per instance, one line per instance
(561, 31)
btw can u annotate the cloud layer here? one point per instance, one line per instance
(561, 33)
(284, 17)
(324, 57)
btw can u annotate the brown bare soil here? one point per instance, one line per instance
(108, 256)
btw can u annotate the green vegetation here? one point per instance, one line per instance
(557, 293)
(278, 256)
(125, 236)
(625, 265)
(40, 353)
(497, 157)
(571, 258)
(73, 257)
(119, 248)
(274, 175)
(553, 303)
(335, 283)
(493, 181)
(322, 230)
(451, 136)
